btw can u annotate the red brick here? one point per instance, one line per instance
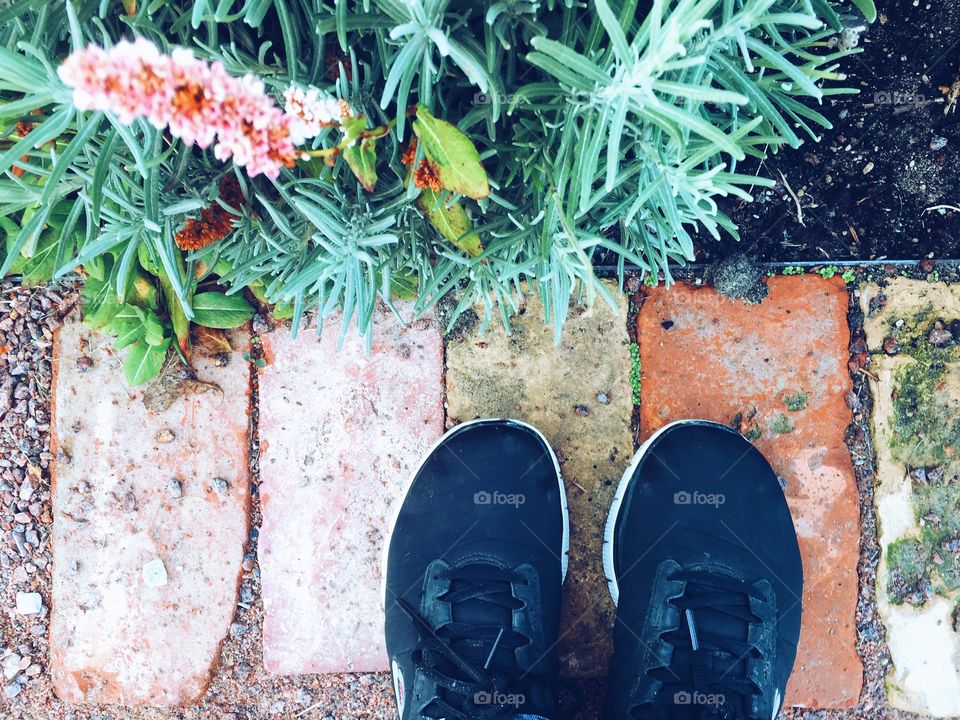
(720, 358)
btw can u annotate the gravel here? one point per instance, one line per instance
(241, 688)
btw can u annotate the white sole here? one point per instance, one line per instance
(614, 513)
(447, 435)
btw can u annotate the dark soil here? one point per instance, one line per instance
(866, 188)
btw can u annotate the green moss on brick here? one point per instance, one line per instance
(925, 430)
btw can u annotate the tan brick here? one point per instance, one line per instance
(924, 645)
(578, 394)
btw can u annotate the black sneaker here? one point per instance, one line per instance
(702, 560)
(474, 566)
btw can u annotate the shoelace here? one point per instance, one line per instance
(478, 594)
(707, 677)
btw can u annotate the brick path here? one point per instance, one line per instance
(921, 626)
(339, 434)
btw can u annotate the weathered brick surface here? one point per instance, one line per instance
(705, 356)
(144, 582)
(341, 433)
(578, 394)
(923, 642)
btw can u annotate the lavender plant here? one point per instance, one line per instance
(207, 157)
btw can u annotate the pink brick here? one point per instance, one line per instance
(341, 433)
(115, 637)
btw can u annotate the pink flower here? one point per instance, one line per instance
(312, 110)
(199, 102)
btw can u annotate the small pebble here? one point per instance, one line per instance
(165, 436)
(155, 573)
(11, 666)
(175, 487)
(890, 345)
(221, 486)
(29, 603)
(939, 335)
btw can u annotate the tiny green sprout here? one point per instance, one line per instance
(796, 401)
(650, 279)
(793, 270)
(849, 275)
(828, 272)
(782, 425)
(257, 362)
(933, 277)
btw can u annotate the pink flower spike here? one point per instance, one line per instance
(199, 102)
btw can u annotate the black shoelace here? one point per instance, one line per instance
(707, 677)
(472, 659)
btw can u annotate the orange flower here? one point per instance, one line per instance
(23, 129)
(410, 153)
(425, 176)
(333, 60)
(215, 222)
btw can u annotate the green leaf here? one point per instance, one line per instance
(283, 310)
(143, 292)
(99, 303)
(40, 266)
(403, 285)
(456, 157)
(153, 331)
(826, 12)
(451, 221)
(612, 25)
(127, 326)
(216, 310)
(178, 318)
(144, 362)
(362, 159)
(868, 9)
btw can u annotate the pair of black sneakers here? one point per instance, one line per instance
(701, 559)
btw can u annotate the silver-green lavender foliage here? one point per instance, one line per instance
(607, 128)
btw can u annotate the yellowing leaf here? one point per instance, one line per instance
(455, 156)
(404, 285)
(362, 159)
(212, 340)
(452, 222)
